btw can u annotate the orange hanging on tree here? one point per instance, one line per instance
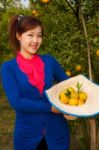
(68, 72)
(35, 13)
(45, 1)
(78, 68)
(97, 52)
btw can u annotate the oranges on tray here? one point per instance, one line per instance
(73, 96)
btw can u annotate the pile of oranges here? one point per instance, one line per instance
(73, 97)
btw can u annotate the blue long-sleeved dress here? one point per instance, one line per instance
(34, 118)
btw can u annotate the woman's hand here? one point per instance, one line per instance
(68, 117)
(54, 110)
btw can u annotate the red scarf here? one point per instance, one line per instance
(34, 69)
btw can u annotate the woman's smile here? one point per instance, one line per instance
(34, 47)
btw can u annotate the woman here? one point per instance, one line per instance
(25, 78)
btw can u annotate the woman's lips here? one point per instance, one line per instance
(34, 46)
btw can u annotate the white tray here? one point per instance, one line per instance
(88, 109)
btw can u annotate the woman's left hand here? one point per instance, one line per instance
(68, 117)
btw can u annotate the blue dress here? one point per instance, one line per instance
(34, 118)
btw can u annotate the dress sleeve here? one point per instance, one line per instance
(17, 102)
(58, 71)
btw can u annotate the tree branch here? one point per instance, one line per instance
(76, 12)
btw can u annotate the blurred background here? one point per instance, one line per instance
(71, 33)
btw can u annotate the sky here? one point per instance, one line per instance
(25, 3)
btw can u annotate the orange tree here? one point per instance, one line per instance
(64, 35)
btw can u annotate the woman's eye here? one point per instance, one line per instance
(30, 35)
(40, 35)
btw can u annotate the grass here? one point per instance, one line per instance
(6, 124)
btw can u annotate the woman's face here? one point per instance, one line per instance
(30, 41)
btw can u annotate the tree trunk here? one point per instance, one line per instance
(92, 121)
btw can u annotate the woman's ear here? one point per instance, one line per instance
(18, 36)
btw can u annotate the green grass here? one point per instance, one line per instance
(6, 125)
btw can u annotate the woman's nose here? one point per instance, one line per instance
(35, 39)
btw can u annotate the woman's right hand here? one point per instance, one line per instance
(54, 110)
(69, 117)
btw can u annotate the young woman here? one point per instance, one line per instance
(25, 78)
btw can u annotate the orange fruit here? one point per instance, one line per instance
(68, 73)
(74, 95)
(97, 52)
(80, 101)
(82, 95)
(63, 98)
(78, 67)
(35, 13)
(45, 1)
(73, 101)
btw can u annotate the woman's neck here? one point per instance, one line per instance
(25, 55)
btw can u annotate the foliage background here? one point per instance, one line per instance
(64, 39)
